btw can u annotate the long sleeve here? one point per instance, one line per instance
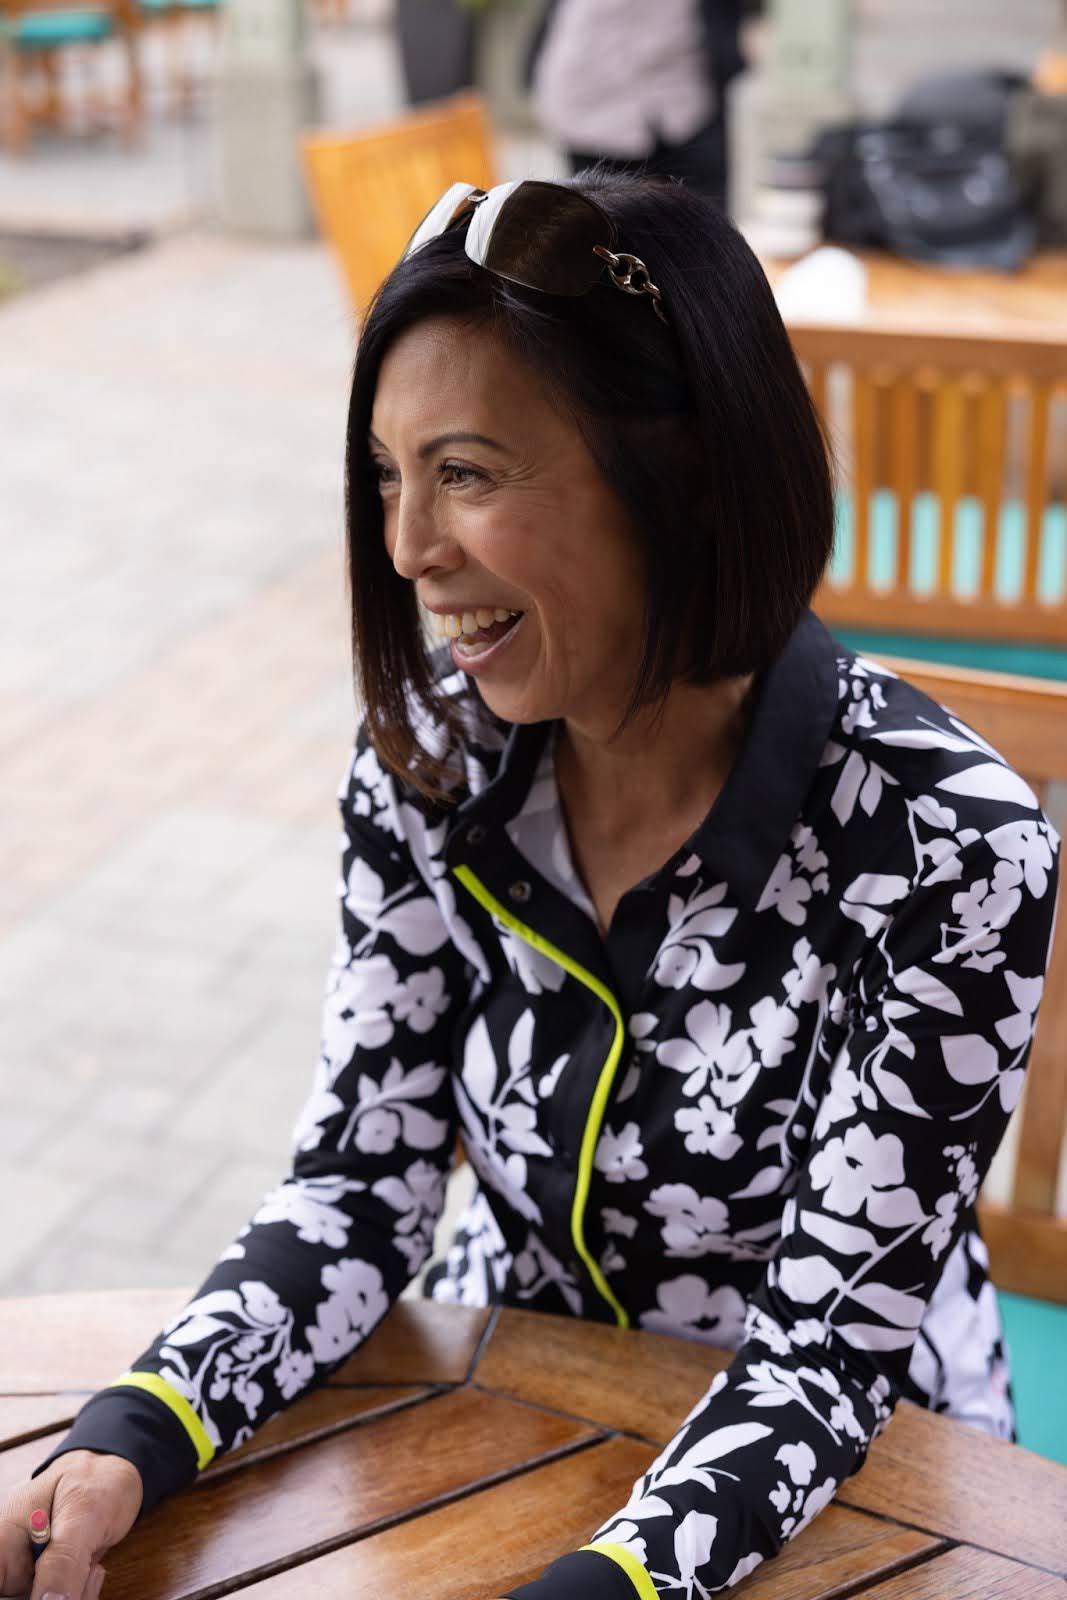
(329, 1250)
(935, 1031)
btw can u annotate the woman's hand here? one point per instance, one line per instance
(92, 1502)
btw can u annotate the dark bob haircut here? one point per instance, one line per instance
(704, 429)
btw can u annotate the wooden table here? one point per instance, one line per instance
(915, 296)
(462, 1450)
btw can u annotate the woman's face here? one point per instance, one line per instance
(493, 504)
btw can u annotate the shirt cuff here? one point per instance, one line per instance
(601, 1572)
(141, 1429)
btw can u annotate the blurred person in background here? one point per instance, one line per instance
(641, 87)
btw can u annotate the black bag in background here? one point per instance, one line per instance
(935, 182)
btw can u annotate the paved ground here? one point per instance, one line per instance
(174, 717)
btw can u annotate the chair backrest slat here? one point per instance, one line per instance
(949, 454)
(371, 190)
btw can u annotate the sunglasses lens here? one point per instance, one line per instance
(543, 236)
(453, 204)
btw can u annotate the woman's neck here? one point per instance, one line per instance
(656, 768)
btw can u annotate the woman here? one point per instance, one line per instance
(719, 945)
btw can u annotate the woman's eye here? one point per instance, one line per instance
(456, 473)
(383, 473)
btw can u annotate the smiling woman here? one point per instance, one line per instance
(719, 945)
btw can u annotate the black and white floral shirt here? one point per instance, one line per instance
(757, 1113)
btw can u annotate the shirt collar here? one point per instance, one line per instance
(792, 712)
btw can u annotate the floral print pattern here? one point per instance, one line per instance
(829, 995)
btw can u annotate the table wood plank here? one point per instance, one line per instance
(324, 1411)
(937, 1474)
(243, 1523)
(604, 1375)
(306, 1419)
(419, 1342)
(53, 1342)
(967, 1574)
(519, 1527)
(959, 1482)
(22, 1416)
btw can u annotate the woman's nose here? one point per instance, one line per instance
(416, 541)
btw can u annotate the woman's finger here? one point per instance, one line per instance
(16, 1563)
(95, 1582)
(62, 1570)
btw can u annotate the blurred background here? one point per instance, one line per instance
(196, 198)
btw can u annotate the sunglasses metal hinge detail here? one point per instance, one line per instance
(630, 274)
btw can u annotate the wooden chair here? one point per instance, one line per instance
(371, 190)
(1026, 721)
(34, 34)
(952, 520)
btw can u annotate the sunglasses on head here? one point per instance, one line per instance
(541, 235)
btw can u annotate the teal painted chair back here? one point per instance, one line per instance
(952, 459)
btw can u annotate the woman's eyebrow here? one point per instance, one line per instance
(441, 439)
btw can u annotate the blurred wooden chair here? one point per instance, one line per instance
(1026, 721)
(35, 35)
(370, 190)
(172, 19)
(951, 518)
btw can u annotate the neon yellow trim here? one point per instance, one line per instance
(630, 1565)
(158, 1387)
(604, 1082)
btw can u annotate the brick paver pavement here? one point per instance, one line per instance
(175, 712)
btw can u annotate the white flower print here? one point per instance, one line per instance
(1027, 846)
(355, 1305)
(618, 1222)
(773, 1030)
(938, 1233)
(418, 1197)
(421, 1000)
(710, 1058)
(982, 910)
(384, 1113)
(294, 1372)
(694, 1225)
(860, 1169)
(356, 1013)
(798, 1460)
(786, 894)
(808, 981)
(971, 1059)
(871, 890)
(619, 1155)
(536, 1267)
(314, 1208)
(688, 1309)
(708, 1130)
(1026, 992)
(686, 958)
(966, 1171)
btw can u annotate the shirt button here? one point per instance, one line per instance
(476, 834)
(520, 892)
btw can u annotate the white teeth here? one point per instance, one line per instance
(451, 624)
(474, 647)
